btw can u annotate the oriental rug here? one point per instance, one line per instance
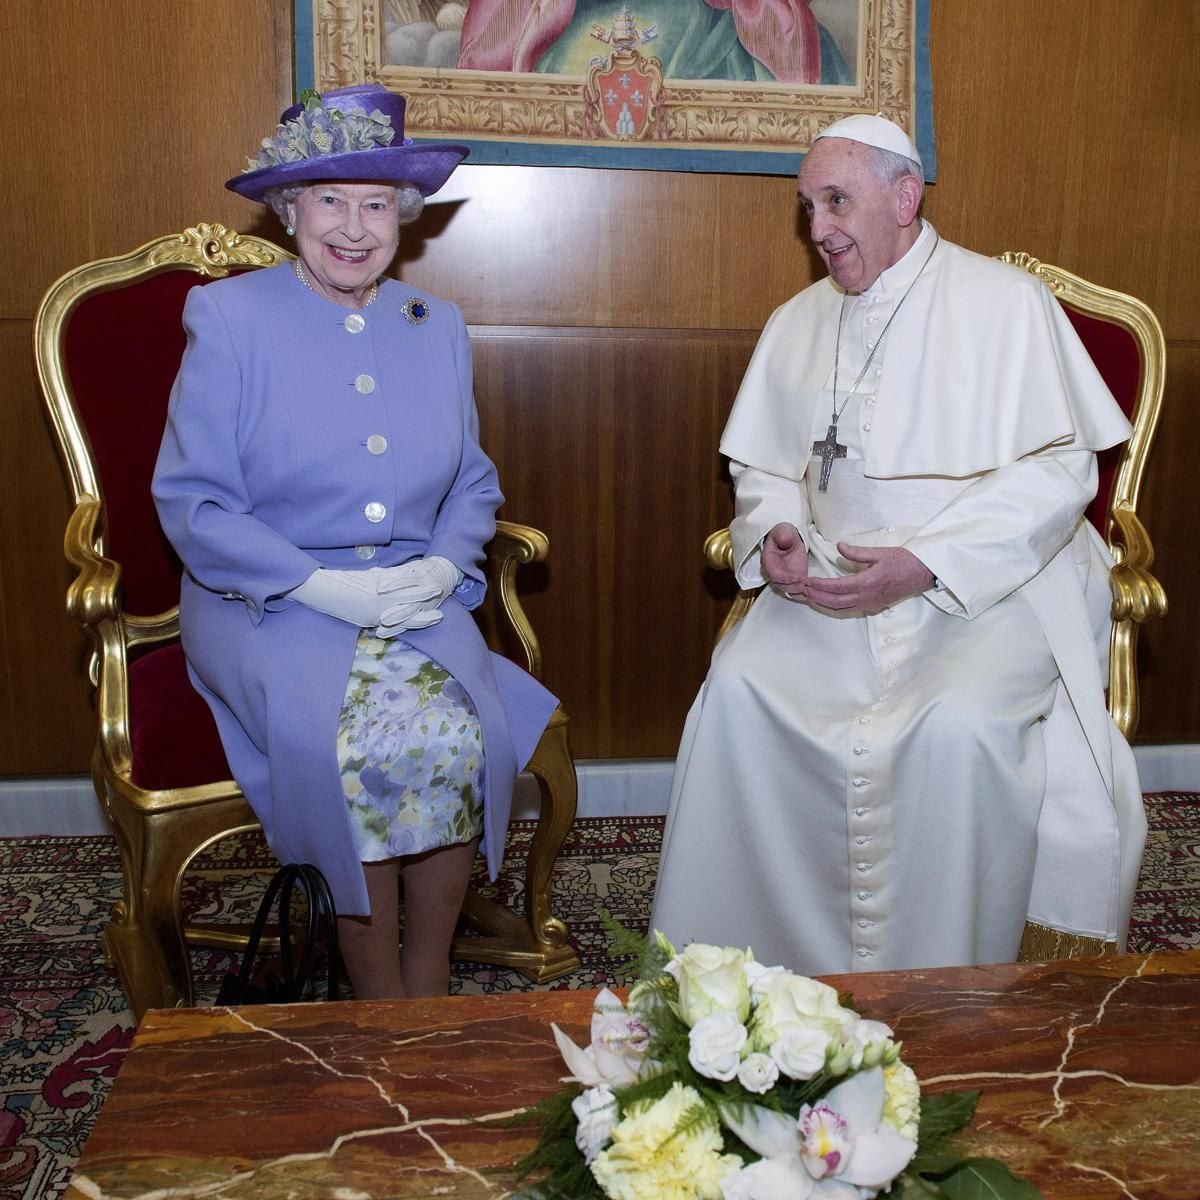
(64, 1027)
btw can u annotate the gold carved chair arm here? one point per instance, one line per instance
(718, 552)
(93, 595)
(1137, 597)
(512, 547)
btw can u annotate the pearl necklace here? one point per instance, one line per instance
(302, 275)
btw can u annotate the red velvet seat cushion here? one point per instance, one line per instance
(171, 729)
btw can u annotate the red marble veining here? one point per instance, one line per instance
(1090, 1073)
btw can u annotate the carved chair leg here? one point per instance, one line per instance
(536, 947)
(145, 941)
(554, 770)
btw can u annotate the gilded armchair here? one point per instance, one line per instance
(108, 340)
(1125, 341)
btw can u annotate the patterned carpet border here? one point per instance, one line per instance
(64, 1027)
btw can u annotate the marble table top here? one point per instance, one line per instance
(1090, 1074)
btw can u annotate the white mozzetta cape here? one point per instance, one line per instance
(983, 367)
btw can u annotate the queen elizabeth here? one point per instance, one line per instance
(322, 481)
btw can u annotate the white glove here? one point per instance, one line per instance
(348, 595)
(431, 578)
(414, 590)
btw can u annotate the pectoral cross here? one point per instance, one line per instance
(829, 449)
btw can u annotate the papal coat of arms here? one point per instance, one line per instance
(623, 93)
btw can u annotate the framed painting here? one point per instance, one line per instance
(690, 85)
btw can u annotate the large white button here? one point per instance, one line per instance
(860, 750)
(375, 512)
(863, 867)
(864, 953)
(864, 895)
(860, 781)
(861, 812)
(355, 323)
(866, 427)
(365, 551)
(364, 385)
(377, 443)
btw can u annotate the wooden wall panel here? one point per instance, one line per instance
(132, 117)
(626, 611)
(1170, 649)
(614, 310)
(641, 249)
(46, 719)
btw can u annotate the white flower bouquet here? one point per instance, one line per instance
(727, 1080)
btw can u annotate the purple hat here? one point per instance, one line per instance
(350, 133)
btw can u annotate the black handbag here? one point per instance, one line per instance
(291, 975)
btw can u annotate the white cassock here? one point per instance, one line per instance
(906, 789)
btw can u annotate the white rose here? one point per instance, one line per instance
(760, 978)
(715, 1045)
(872, 1042)
(596, 1112)
(800, 1050)
(711, 979)
(758, 1073)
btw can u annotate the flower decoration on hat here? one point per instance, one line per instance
(318, 131)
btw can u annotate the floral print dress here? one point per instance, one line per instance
(410, 752)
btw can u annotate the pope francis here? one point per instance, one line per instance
(902, 753)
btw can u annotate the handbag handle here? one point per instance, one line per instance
(295, 978)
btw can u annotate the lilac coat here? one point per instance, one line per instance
(265, 473)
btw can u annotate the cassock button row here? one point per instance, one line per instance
(364, 385)
(863, 952)
(864, 895)
(365, 551)
(860, 781)
(861, 750)
(863, 866)
(861, 840)
(377, 443)
(355, 323)
(375, 512)
(861, 812)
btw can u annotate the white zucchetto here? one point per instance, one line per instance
(875, 131)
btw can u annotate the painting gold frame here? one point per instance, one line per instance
(706, 125)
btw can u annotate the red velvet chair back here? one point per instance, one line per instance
(1114, 350)
(121, 351)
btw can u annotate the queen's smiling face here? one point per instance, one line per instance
(346, 235)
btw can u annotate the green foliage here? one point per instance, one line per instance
(985, 1179)
(646, 957)
(564, 1174)
(937, 1170)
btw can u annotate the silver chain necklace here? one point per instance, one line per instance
(829, 448)
(302, 275)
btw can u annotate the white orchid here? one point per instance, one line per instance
(838, 1148)
(617, 1049)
